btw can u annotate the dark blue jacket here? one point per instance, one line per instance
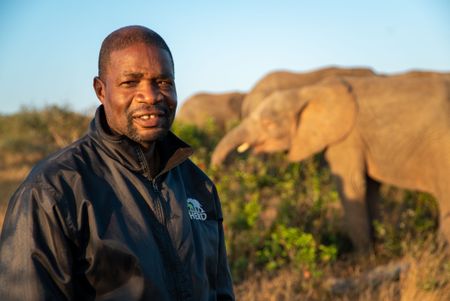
(90, 223)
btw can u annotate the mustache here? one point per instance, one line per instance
(147, 107)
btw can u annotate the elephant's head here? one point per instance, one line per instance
(300, 121)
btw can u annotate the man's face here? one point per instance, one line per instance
(138, 93)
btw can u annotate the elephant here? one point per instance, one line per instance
(222, 109)
(227, 108)
(282, 80)
(385, 129)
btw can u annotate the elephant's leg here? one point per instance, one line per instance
(444, 217)
(347, 164)
(373, 202)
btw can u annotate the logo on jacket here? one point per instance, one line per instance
(195, 210)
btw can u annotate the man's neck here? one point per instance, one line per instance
(153, 159)
(148, 147)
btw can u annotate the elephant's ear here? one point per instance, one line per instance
(327, 118)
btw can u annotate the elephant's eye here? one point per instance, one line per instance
(265, 123)
(269, 125)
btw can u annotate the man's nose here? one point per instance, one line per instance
(148, 93)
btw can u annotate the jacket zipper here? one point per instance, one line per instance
(161, 213)
(158, 202)
(160, 206)
(155, 185)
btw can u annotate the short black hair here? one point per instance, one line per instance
(125, 37)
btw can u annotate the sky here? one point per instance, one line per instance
(49, 49)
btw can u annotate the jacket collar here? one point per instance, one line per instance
(171, 149)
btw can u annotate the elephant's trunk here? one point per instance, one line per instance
(232, 140)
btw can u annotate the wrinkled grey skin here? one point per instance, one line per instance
(395, 130)
(222, 108)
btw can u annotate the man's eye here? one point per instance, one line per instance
(129, 83)
(165, 83)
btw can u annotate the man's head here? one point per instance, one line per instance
(124, 37)
(136, 84)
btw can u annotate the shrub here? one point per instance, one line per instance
(32, 134)
(278, 215)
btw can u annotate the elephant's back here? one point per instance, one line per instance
(219, 108)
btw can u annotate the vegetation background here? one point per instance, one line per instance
(283, 221)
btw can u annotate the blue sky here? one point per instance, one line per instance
(49, 49)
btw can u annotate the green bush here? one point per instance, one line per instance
(277, 214)
(280, 214)
(289, 245)
(202, 140)
(406, 215)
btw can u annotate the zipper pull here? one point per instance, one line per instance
(155, 185)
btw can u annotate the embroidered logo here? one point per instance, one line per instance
(195, 210)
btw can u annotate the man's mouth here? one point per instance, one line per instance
(150, 116)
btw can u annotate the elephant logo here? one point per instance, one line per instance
(195, 210)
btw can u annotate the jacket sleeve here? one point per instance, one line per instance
(35, 257)
(224, 281)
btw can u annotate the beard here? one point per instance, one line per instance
(159, 133)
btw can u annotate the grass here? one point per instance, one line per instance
(426, 278)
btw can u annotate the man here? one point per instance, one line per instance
(122, 213)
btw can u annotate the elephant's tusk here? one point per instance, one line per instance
(243, 147)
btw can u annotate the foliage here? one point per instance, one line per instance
(278, 215)
(32, 134)
(290, 245)
(406, 215)
(201, 140)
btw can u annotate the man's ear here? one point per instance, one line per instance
(99, 88)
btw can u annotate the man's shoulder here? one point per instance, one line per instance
(193, 174)
(52, 182)
(68, 160)
(194, 169)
